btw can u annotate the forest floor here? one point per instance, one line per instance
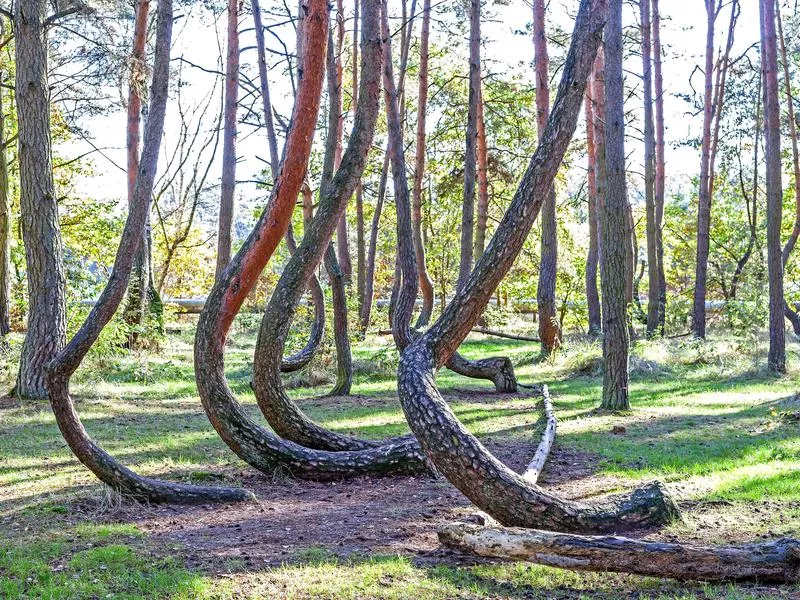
(707, 419)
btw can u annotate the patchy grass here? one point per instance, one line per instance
(706, 418)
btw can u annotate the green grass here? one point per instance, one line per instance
(706, 419)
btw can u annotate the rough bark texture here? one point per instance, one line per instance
(499, 370)
(470, 151)
(772, 150)
(592, 257)
(425, 283)
(228, 181)
(616, 340)
(549, 327)
(60, 370)
(457, 454)
(40, 227)
(660, 169)
(5, 233)
(653, 270)
(342, 241)
(259, 447)
(773, 562)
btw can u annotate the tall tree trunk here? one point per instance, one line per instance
(361, 251)
(788, 247)
(772, 146)
(549, 326)
(342, 240)
(660, 166)
(482, 207)
(592, 295)
(369, 276)
(5, 233)
(653, 269)
(228, 182)
(425, 283)
(139, 289)
(60, 370)
(613, 223)
(703, 197)
(40, 227)
(456, 453)
(337, 275)
(470, 152)
(599, 91)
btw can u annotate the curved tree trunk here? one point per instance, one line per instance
(494, 488)
(592, 295)
(259, 447)
(614, 226)
(40, 227)
(772, 151)
(425, 283)
(60, 370)
(499, 370)
(549, 327)
(228, 182)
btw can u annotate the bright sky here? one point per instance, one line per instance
(683, 38)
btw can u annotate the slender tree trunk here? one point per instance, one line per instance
(457, 454)
(337, 275)
(599, 91)
(482, 208)
(704, 199)
(788, 247)
(613, 223)
(369, 278)
(592, 294)
(228, 182)
(425, 283)
(660, 166)
(470, 153)
(549, 327)
(361, 251)
(342, 240)
(772, 145)
(5, 232)
(653, 269)
(140, 284)
(40, 227)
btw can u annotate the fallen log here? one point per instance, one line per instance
(773, 562)
(536, 465)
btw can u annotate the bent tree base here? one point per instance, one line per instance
(771, 562)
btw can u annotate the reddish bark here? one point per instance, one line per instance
(592, 294)
(653, 291)
(482, 207)
(425, 283)
(228, 181)
(60, 370)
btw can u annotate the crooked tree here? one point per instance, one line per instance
(46, 333)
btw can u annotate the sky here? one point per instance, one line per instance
(197, 40)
